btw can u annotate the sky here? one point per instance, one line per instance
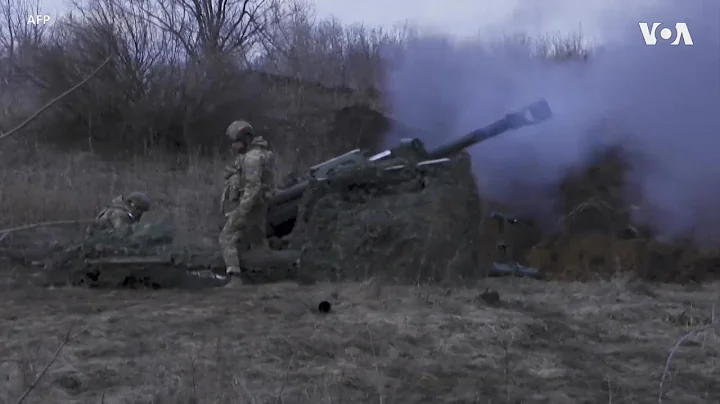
(472, 17)
(464, 18)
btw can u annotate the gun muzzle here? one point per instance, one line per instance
(533, 114)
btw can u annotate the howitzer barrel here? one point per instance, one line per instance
(351, 158)
(534, 113)
(471, 138)
(285, 207)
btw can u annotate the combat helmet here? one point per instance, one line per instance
(237, 129)
(139, 201)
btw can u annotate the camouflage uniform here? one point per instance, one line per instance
(123, 212)
(249, 184)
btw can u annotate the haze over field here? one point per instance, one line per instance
(659, 103)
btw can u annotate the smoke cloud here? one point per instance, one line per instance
(659, 103)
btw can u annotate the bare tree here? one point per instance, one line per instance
(17, 37)
(326, 51)
(210, 28)
(181, 69)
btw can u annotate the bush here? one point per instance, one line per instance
(177, 76)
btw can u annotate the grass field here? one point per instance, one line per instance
(544, 342)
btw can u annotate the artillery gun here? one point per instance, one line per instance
(388, 175)
(354, 166)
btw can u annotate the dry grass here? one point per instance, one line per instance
(47, 186)
(545, 342)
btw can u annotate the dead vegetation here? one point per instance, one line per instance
(598, 235)
(594, 342)
(152, 120)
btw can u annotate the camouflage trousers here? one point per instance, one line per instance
(243, 232)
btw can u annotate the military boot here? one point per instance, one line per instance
(234, 273)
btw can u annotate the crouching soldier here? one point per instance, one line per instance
(123, 212)
(249, 185)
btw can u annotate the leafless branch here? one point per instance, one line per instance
(68, 337)
(666, 370)
(54, 100)
(5, 232)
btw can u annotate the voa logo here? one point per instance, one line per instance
(681, 32)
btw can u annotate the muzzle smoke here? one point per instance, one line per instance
(659, 103)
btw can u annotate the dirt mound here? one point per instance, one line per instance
(598, 236)
(423, 228)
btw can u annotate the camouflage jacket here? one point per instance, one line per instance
(115, 216)
(251, 178)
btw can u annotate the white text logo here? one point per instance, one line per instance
(681, 32)
(38, 19)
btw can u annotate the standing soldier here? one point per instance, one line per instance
(123, 212)
(249, 184)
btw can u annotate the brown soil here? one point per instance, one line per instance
(544, 342)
